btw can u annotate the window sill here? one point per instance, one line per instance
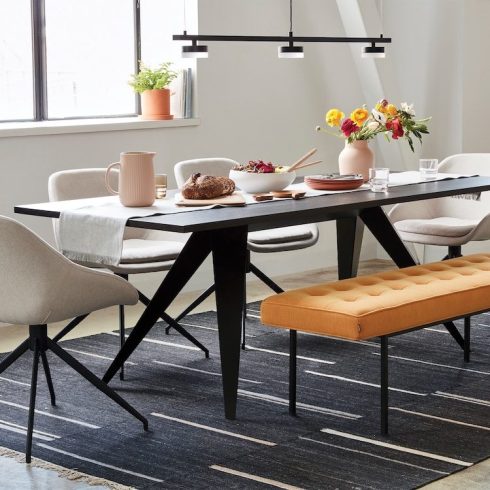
(8, 130)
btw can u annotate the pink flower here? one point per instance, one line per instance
(348, 127)
(395, 126)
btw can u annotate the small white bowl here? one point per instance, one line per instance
(255, 183)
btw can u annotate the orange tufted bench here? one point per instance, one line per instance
(383, 305)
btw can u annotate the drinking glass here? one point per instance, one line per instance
(160, 186)
(378, 179)
(428, 168)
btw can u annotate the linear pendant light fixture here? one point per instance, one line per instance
(196, 50)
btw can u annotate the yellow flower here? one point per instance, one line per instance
(391, 110)
(381, 108)
(359, 116)
(333, 117)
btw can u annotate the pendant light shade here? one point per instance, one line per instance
(290, 52)
(195, 51)
(373, 51)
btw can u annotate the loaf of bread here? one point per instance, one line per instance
(207, 187)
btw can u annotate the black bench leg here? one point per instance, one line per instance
(292, 371)
(467, 338)
(384, 385)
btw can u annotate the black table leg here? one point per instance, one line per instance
(349, 241)
(230, 264)
(195, 251)
(382, 229)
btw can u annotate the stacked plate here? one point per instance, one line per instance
(334, 182)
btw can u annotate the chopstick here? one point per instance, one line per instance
(308, 164)
(296, 164)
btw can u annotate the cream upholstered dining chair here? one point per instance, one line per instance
(143, 250)
(267, 241)
(448, 221)
(40, 286)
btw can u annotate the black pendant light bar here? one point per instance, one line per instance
(289, 51)
(280, 39)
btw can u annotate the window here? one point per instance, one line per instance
(64, 59)
(16, 74)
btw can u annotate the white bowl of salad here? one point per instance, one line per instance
(257, 176)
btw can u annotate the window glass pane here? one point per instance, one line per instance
(90, 57)
(16, 85)
(159, 21)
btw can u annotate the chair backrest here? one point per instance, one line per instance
(39, 285)
(218, 167)
(466, 163)
(84, 183)
(468, 206)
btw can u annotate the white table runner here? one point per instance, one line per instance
(91, 230)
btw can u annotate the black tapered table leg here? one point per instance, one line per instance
(195, 251)
(349, 240)
(382, 229)
(32, 403)
(14, 355)
(49, 380)
(230, 265)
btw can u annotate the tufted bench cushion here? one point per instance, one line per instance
(385, 303)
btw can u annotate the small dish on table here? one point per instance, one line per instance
(334, 182)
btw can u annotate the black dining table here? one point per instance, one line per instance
(222, 232)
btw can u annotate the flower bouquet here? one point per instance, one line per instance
(385, 119)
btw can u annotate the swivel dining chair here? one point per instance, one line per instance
(448, 221)
(143, 250)
(267, 241)
(40, 286)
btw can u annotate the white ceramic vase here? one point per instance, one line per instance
(356, 158)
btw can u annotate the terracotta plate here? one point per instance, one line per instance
(333, 182)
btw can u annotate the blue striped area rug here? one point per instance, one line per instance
(439, 411)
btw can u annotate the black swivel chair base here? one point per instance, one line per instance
(250, 268)
(122, 329)
(40, 343)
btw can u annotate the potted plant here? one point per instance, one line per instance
(152, 85)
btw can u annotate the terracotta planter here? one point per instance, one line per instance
(356, 158)
(155, 104)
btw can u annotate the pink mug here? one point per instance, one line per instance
(136, 178)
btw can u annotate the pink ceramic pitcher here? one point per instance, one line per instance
(136, 178)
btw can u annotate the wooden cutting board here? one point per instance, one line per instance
(234, 199)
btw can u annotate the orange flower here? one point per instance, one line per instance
(391, 110)
(359, 116)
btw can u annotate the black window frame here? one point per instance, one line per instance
(39, 65)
